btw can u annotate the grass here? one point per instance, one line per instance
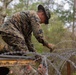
(74, 73)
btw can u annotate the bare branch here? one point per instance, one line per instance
(8, 2)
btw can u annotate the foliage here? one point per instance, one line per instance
(74, 73)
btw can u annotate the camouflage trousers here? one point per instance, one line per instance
(15, 42)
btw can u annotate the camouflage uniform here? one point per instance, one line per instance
(17, 31)
(31, 72)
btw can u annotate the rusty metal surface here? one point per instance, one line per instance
(11, 59)
(13, 62)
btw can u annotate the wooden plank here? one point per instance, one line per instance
(15, 62)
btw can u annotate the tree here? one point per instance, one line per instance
(3, 9)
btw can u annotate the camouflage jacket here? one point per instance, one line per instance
(26, 22)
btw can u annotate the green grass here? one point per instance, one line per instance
(74, 73)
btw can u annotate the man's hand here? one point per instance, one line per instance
(51, 47)
(41, 69)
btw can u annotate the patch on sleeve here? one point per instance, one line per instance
(40, 31)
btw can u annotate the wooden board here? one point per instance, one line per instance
(15, 62)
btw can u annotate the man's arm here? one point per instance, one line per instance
(37, 31)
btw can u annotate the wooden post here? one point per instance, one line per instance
(68, 69)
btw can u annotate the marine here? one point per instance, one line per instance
(17, 30)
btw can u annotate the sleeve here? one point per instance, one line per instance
(30, 44)
(37, 30)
